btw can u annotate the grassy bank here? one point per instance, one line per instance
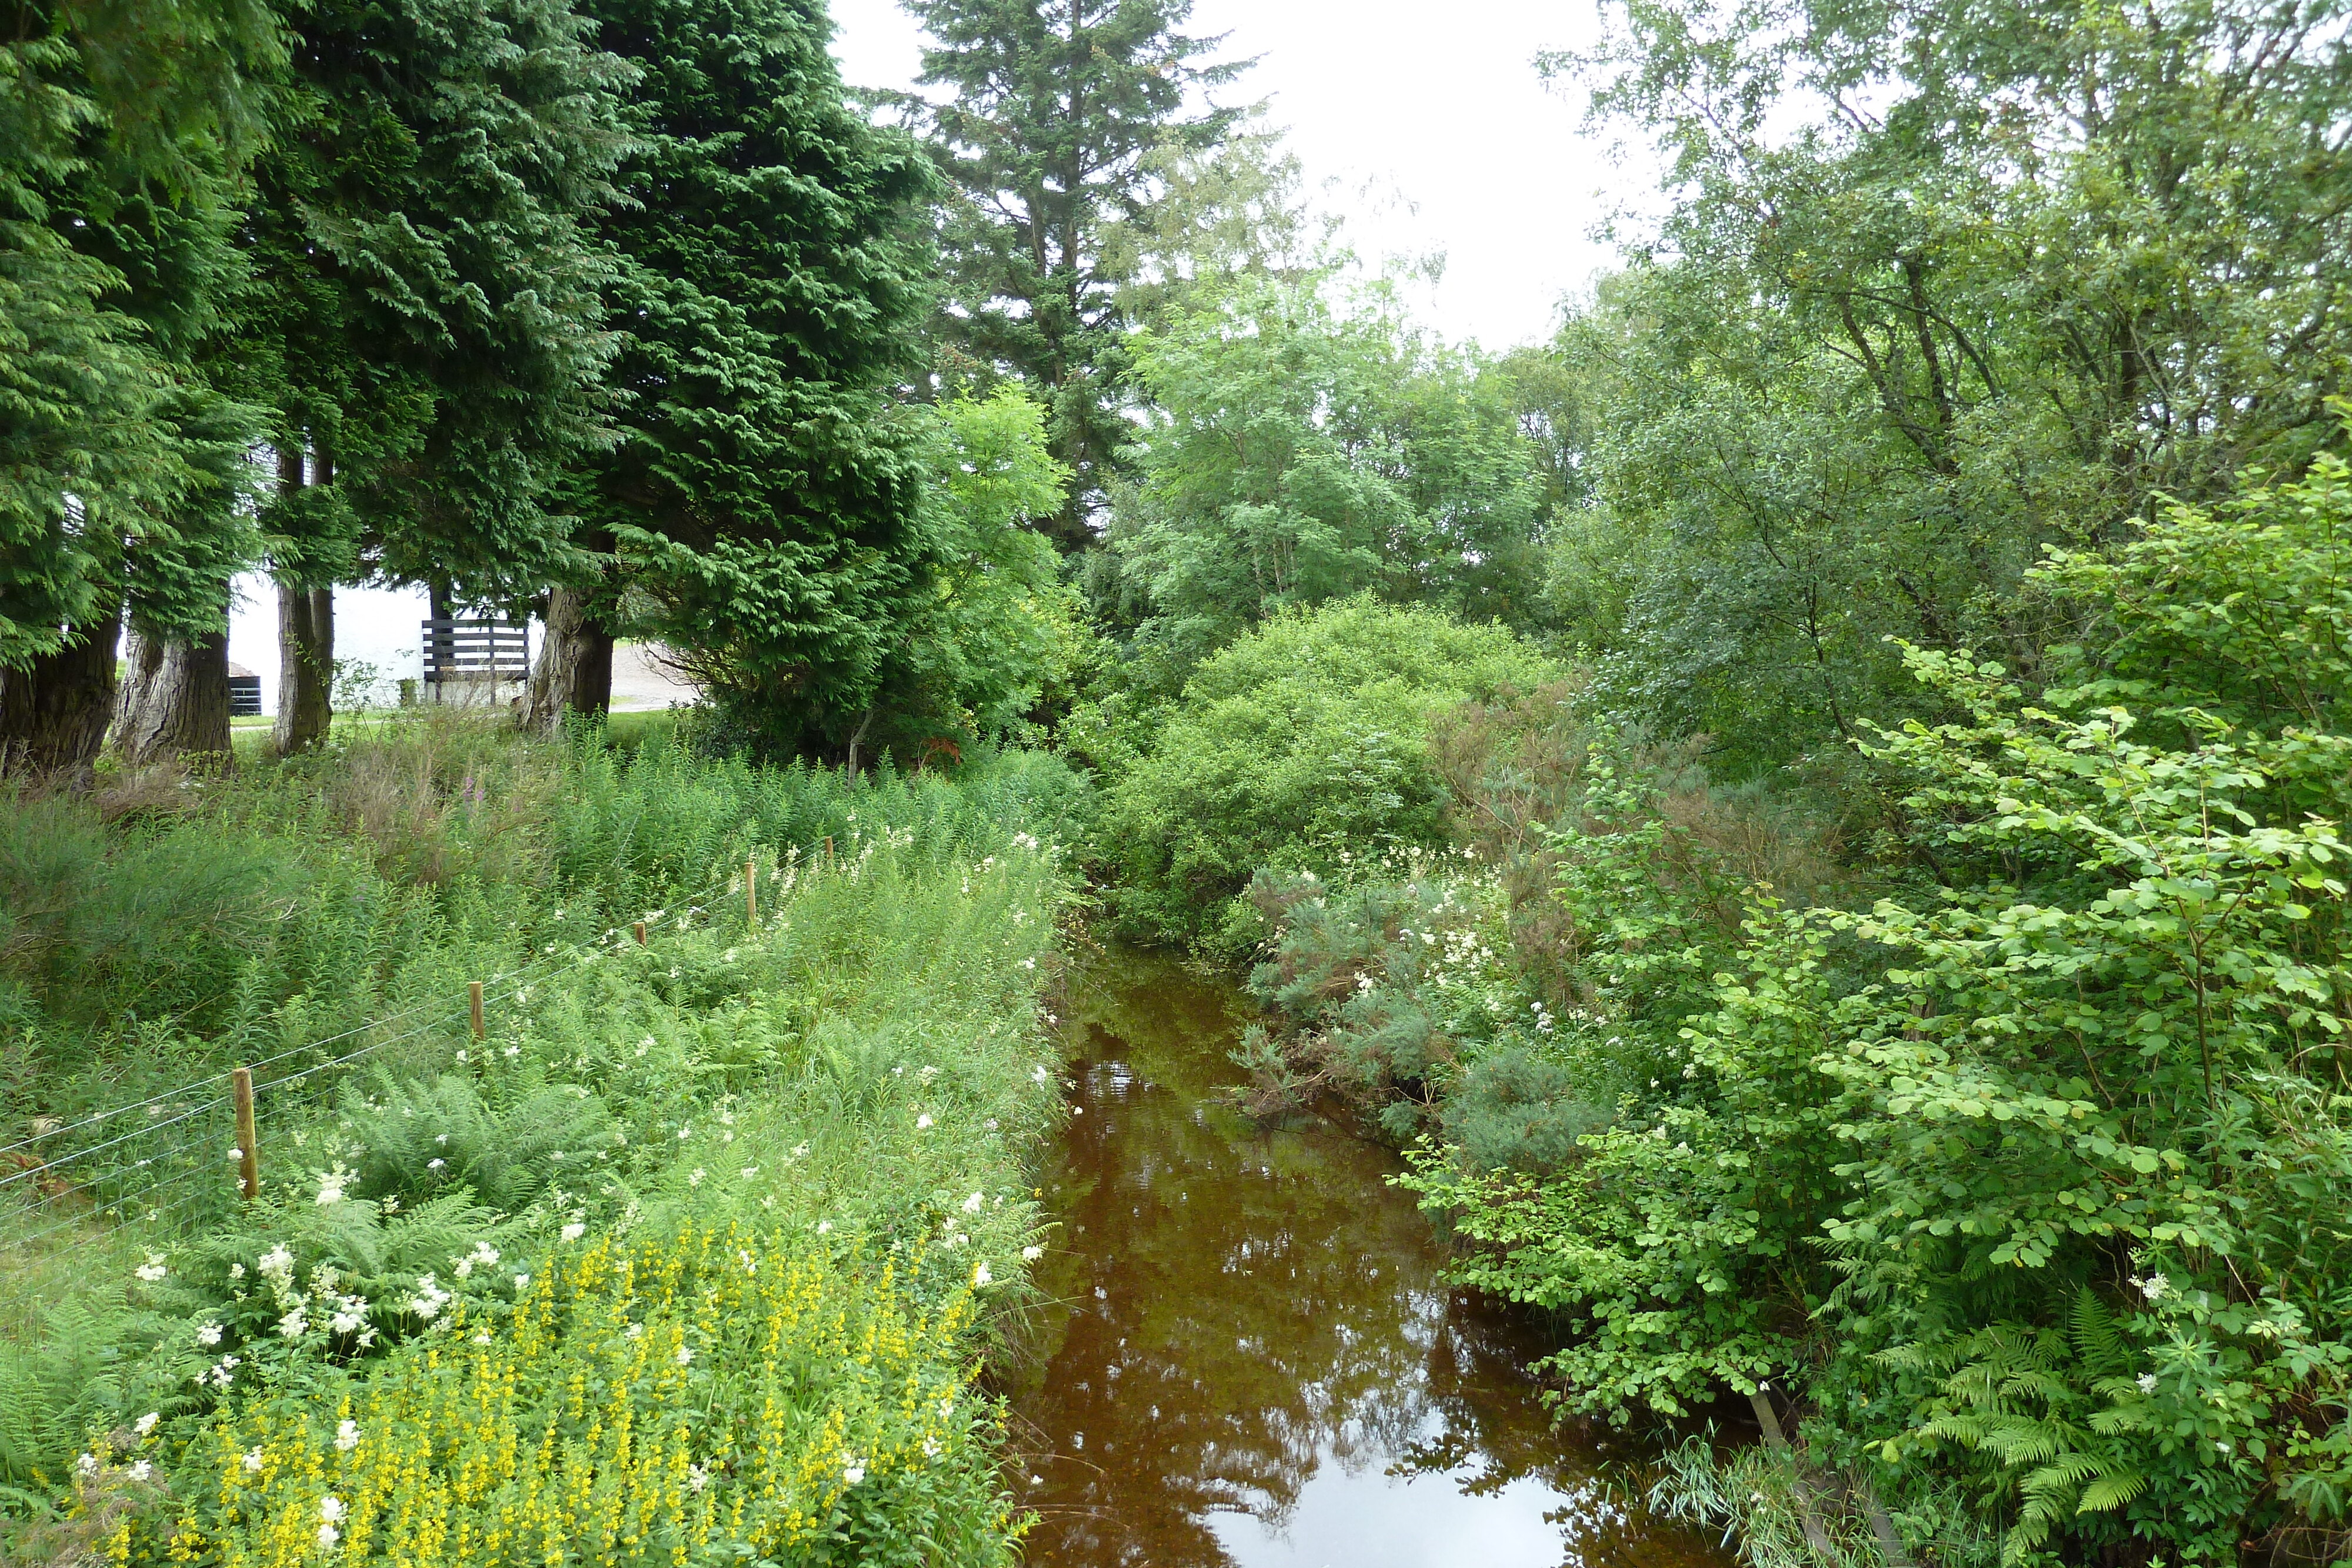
(698, 1251)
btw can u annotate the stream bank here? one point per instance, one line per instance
(1249, 1357)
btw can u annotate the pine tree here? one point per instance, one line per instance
(764, 504)
(1057, 109)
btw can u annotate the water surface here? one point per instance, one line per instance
(1253, 1360)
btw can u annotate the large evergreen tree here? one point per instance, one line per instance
(427, 319)
(121, 130)
(1057, 109)
(764, 505)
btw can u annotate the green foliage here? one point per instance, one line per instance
(2018, 1188)
(1052, 141)
(120, 133)
(1942, 285)
(766, 509)
(1300, 745)
(994, 628)
(305, 899)
(424, 314)
(1300, 453)
(834, 1085)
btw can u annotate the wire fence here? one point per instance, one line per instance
(81, 1194)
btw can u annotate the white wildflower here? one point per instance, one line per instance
(152, 1269)
(971, 1205)
(209, 1334)
(686, 1355)
(347, 1436)
(573, 1231)
(923, 1122)
(980, 1276)
(253, 1459)
(146, 1423)
(853, 1472)
(429, 1299)
(1031, 1254)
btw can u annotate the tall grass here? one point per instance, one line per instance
(148, 933)
(845, 1092)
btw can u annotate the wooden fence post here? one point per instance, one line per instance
(248, 1157)
(828, 848)
(641, 933)
(751, 890)
(474, 998)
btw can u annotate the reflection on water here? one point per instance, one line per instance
(1256, 1361)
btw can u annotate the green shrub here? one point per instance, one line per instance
(1302, 746)
(833, 1086)
(2026, 1191)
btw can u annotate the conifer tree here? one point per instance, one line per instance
(427, 323)
(122, 129)
(763, 504)
(1057, 110)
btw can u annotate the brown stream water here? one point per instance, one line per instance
(1251, 1358)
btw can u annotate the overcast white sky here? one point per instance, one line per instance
(1438, 103)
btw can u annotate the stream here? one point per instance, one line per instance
(1249, 1357)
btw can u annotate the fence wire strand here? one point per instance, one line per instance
(73, 1171)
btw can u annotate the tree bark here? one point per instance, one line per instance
(176, 702)
(53, 716)
(575, 674)
(305, 666)
(440, 649)
(306, 640)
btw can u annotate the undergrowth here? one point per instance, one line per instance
(526, 1294)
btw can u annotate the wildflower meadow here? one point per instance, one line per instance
(692, 1255)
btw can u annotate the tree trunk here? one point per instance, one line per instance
(305, 666)
(306, 639)
(176, 701)
(575, 674)
(53, 716)
(440, 649)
